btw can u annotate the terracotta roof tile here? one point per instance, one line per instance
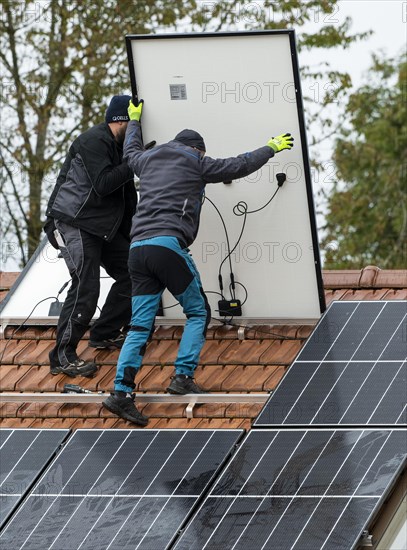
(164, 333)
(154, 379)
(80, 410)
(212, 350)
(31, 353)
(39, 410)
(163, 410)
(244, 378)
(10, 375)
(38, 378)
(161, 352)
(226, 332)
(243, 410)
(244, 351)
(10, 348)
(39, 355)
(210, 377)
(281, 352)
(7, 279)
(368, 277)
(271, 382)
(396, 294)
(360, 295)
(9, 409)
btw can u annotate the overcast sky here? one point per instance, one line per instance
(386, 18)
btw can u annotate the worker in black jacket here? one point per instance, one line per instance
(173, 177)
(89, 217)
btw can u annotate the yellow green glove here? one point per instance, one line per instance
(279, 143)
(135, 111)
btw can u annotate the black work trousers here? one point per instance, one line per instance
(84, 254)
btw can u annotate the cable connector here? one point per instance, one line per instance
(281, 177)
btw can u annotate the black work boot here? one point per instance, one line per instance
(109, 343)
(123, 406)
(182, 384)
(75, 368)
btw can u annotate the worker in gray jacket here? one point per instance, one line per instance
(173, 177)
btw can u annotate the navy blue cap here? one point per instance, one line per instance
(191, 138)
(117, 110)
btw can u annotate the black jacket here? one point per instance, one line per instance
(95, 188)
(173, 177)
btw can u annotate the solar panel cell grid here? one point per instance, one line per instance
(354, 374)
(23, 455)
(119, 489)
(304, 489)
(360, 331)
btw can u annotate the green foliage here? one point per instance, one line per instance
(367, 218)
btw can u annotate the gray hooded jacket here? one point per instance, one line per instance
(173, 177)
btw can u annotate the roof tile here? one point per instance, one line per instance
(10, 348)
(161, 351)
(212, 350)
(80, 410)
(245, 378)
(39, 410)
(281, 352)
(211, 377)
(395, 294)
(38, 378)
(10, 375)
(271, 382)
(244, 351)
(154, 379)
(243, 410)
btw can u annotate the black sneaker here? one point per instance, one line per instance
(182, 384)
(125, 408)
(110, 343)
(76, 368)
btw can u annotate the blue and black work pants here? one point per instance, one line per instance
(157, 264)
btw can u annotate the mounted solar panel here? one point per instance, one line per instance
(23, 455)
(298, 490)
(119, 489)
(351, 371)
(238, 89)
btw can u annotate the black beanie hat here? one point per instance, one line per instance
(191, 138)
(117, 110)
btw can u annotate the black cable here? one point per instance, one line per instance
(240, 209)
(245, 289)
(213, 292)
(227, 244)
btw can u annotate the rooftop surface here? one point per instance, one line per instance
(231, 362)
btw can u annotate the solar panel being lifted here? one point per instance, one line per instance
(23, 455)
(352, 371)
(299, 490)
(119, 489)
